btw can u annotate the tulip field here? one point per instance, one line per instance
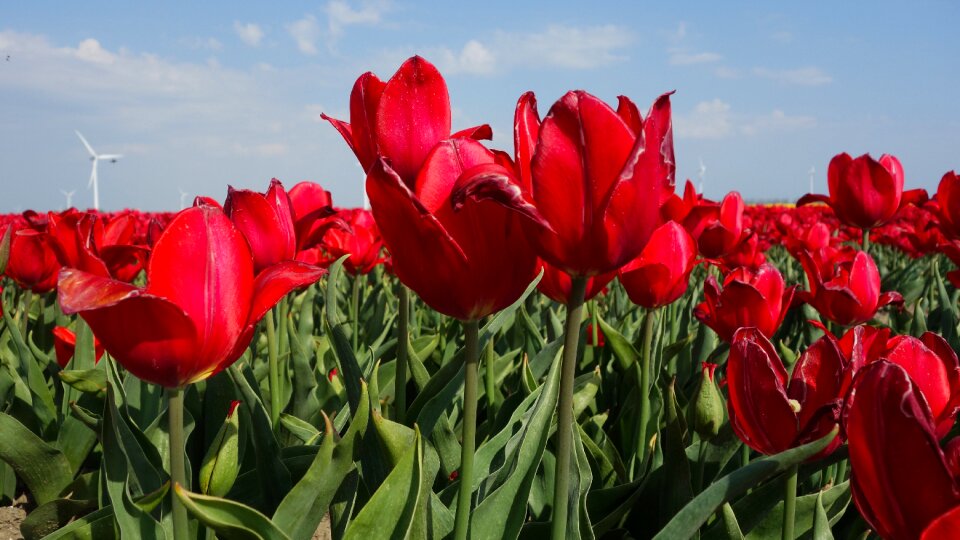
(556, 340)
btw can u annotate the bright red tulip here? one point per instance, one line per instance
(453, 259)
(719, 228)
(313, 214)
(771, 411)
(660, 274)
(198, 311)
(402, 119)
(748, 299)
(748, 253)
(901, 480)
(952, 251)
(864, 192)
(362, 242)
(266, 220)
(33, 263)
(948, 199)
(591, 180)
(556, 284)
(850, 294)
(65, 343)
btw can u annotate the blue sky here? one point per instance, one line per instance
(201, 95)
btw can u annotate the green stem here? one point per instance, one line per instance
(357, 280)
(400, 379)
(866, 240)
(274, 365)
(701, 465)
(472, 352)
(790, 503)
(181, 528)
(490, 378)
(565, 418)
(595, 329)
(25, 322)
(645, 375)
(841, 471)
(744, 455)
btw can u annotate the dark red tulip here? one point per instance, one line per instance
(771, 411)
(944, 527)
(401, 119)
(850, 293)
(864, 192)
(313, 214)
(266, 220)
(590, 181)
(719, 228)
(660, 274)
(901, 480)
(748, 253)
(33, 263)
(556, 284)
(362, 242)
(952, 251)
(198, 311)
(453, 259)
(748, 299)
(948, 202)
(65, 343)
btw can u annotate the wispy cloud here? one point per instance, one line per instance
(249, 33)
(305, 32)
(341, 15)
(199, 43)
(684, 58)
(715, 119)
(805, 76)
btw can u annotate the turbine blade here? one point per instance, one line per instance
(93, 175)
(111, 157)
(86, 144)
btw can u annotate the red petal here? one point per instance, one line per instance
(817, 378)
(277, 281)
(482, 132)
(811, 198)
(495, 183)
(945, 527)
(628, 110)
(265, 221)
(526, 131)
(364, 104)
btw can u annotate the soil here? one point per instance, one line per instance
(10, 519)
(323, 531)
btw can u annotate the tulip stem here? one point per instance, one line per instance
(866, 241)
(841, 471)
(274, 364)
(790, 503)
(565, 419)
(181, 528)
(469, 443)
(595, 330)
(645, 374)
(490, 378)
(744, 455)
(400, 378)
(25, 323)
(356, 309)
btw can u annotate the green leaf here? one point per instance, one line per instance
(730, 525)
(231, 520)
(221, 464)
(49, 517)
(834, 500)
(688, 521)
(821, 524)
(624, 351)
(91, 381)
(98, 525)
(301, 429)
(391, 510)
(342, 347)
(43, 468)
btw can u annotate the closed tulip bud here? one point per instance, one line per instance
(707, 407)
(221, 464)
(266, 220)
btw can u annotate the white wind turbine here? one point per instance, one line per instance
(69, 196)
(811, 172)
(96, 158)
(183, 198)
(703, 172)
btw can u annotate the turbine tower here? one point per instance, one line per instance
(96, 158)
(69, 196)
(703, 172)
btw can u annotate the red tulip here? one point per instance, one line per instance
(660, 274)
(748, 299)
(362, 242)
(948, 199)
(589, 179)
(944, 527)
(65, 343)
(556, 284)
(198, 311)
(402, 119)
(33, 263)
(864, 192)
(850, 294)
(748, 253)
(952, 251)
(266, 220)
(772, 412)
(718, 229)
(452, 259)
(901, 480)
(313, 214)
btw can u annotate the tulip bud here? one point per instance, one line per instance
(222, 462)
(706, 412)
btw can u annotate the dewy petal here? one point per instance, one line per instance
(888, 426)
(414, 115)
(216, 287)
(758, 403)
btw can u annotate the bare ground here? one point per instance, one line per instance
(10, 519)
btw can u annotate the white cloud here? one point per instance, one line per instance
(249, 33)
(341, 14)
(715, 119)
(726, 72)
(805, 76)
(565, 46)
(212, 44)
(682, 58)
(90, 50)
(474, 58)
(305, 32)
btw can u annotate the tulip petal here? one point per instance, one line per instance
(414, 115)
(364, 104)
(526, 131)
(483, 132)
(628, 110)
(492, 181)
(811, 198)
(276, 281)
(944, 527)
(888, 425)
(817, 378)
(83, 291)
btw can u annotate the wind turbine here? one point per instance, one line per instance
(811, 172)
(69, 196)
(96, 158)
(703, 172)
(183, 198)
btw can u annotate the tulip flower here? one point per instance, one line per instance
(402, 119)
(200, 305)
(266, 220)
(771, 411)
(557, 284)
(952, 251)
(313, 215)
(660, 274)
(748, 253)
(718, 228)
(864, 192)
(33, 263)
(948, 201)
(362, 242)
(850, 293)
(748, 299)
(65, 343)
(83, 241)
(901, 479)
